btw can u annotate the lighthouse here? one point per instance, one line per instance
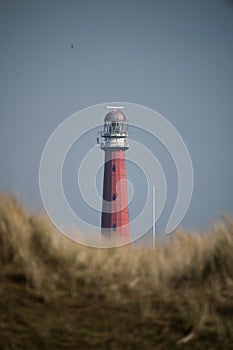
(115, 212)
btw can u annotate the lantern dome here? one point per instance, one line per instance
(115, 116)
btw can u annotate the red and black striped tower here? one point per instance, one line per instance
(115, 212)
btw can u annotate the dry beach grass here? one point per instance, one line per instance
(55, 294)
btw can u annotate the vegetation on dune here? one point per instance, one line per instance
(55, 294)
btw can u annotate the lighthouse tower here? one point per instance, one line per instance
(115, 212)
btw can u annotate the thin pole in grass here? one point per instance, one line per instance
(153, 219)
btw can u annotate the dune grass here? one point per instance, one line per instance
(55, 294)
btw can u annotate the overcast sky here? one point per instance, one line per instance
(174, 56)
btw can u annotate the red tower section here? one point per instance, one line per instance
(115, 212)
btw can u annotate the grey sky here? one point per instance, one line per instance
(174, 56)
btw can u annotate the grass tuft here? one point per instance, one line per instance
(55, 294)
